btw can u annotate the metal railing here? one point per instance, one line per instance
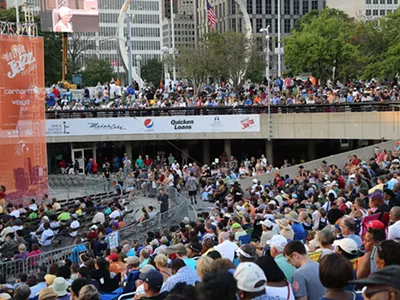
(31, 264)
(171, 217)
(225, 110)
(138, 231)
(74, 186)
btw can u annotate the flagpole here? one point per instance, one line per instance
(206, 16)
(173, 40)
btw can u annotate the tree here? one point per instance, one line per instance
(152, 71)
(193, 65)
(78, 42)
(97, 70)
(323, 45)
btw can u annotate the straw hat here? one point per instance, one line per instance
(47, 293)
(283, 223)
(293, 216)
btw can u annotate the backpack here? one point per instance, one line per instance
(322, 224)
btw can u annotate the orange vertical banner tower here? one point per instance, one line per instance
(23, 158)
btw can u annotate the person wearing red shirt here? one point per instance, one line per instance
(2, 192)
(148, 162)
(341, 204)
(354, 160)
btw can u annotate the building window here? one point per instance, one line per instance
(287, 7)
(233, 5)
(305, 7)
(396, 2)
(375, 12)
(382, 12)
(249, 6)
(276, 26)
(276, 7)
(368, 12)
(389, 1)
(368, 1)
(258, 25)
(375, 1)
(233, 24)
(268, 7)
(323, 4)
(287, 26)
(382, 1)
(296, 7)
(259, 7)
(314, 5)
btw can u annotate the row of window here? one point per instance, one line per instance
(376, 12)
(146, 32)
(184, 26)
(289, 7)
(117, 4)
(145, 5)
(147, 45)
(382, 2)
(146, 19)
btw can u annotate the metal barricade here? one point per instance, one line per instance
(48, 258)
(11, 269)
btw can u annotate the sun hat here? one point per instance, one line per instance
(132, 260)
(236, 226)
(267, 223)
(49, 279)
(347, 245)
(250, 277)
(60, 286)
(47, 293)
(293, 216)
(283, 223)
(278, 241)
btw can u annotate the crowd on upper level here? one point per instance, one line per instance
(283, 91)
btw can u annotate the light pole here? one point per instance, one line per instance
(267, 55)
(138, 60)
(173, 39)
(279, 38)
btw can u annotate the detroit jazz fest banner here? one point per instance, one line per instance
(23, 160)
(153, 125)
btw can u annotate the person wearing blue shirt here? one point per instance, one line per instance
(276, 100)
(248, 102)
(349, 98)
(76, 251)
(348, 228)
(300, 234)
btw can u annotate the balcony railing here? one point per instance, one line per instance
(224, 110)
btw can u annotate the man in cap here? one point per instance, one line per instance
(306, 282)
(74, 226)
(277, 243)
(377, 199)
(383, 284)
(246, 253)
(251, 282)
(152, 284)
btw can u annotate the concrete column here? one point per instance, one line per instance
(128, 149)
(312, 150)
(269, 151)
(206, 152)
(227, 148)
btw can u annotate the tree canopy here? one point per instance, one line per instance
(152, 71)
(97, 70)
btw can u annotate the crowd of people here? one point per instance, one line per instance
(329, 233)
(283, 91)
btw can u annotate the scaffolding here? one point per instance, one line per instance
(28, 27)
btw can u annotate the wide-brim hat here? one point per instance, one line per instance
(293, 216)
(283, 223)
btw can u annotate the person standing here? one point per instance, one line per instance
(164, 201)
(306, 282)
(127, 166)
(192, 187)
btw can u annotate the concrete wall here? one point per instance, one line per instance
(353, 8)
(338, 159)
(348, 125)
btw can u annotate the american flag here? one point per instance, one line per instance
(211, 16)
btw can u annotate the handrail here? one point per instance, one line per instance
(224, 110)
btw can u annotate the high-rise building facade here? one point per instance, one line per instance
(365, 8)
(261, 12)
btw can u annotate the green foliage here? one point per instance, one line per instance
(323, 43)
(152, 72)
(97, 70)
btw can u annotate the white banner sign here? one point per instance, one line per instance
(153, 125)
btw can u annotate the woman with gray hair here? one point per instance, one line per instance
(64, 25)
(22, 292)
(325, 239)
(89, 292)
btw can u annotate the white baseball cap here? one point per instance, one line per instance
(347, 245)
(278, 241)
(250, 277)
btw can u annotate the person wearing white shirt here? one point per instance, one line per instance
(46, 236)
(226, 247)
(394, 230)
(115, 214)
(151, 212)
(74, 226)
(99, 218)
(263, 161)
(33, 205)
(16, 213)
